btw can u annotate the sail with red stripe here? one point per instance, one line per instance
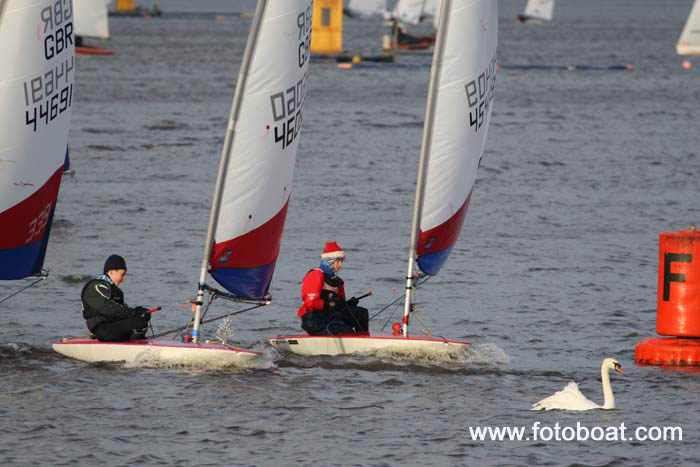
(462, 113)
(36, 96)
(258, 177)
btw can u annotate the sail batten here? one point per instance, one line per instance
(36, 95)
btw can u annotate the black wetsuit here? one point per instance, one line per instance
(107, 316)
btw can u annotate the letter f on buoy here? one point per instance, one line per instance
(668, 276)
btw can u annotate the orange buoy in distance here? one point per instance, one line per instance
(678, 303)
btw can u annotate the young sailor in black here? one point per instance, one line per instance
(104, 310)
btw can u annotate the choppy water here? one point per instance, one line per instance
(556, 267)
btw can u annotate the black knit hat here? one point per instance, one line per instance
(114, 262)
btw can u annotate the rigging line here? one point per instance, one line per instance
(180, 329)
(345, 304)
(425, 328)
(233, 313)
(388, 319)
(398, 298)
(43, 275)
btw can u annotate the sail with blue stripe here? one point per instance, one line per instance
(257, 179)
(462, 113)
(36, 96)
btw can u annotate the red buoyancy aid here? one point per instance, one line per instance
(316, 287)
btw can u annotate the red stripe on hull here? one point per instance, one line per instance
(26, 222)
(444, 235)
(373, 337)
(257, 248)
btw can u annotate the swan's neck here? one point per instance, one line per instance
(609, 399)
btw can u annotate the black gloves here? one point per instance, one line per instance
(140, 311)
(353, 301)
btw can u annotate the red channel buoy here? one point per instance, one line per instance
(678, 303)
(668, 352)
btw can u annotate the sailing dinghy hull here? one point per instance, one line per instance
(92, 50)
(352, 343)
(157, 351)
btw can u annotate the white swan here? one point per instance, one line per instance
(570, 398)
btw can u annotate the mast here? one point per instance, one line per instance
(225, 156)
(435, 70)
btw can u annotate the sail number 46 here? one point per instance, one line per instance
(38, 224)
(286, 109)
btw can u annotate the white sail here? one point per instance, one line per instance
(411, 11)
(262, 152)
(36, 96)
(539, 9)
(366, 7)
(91, 18)
(467, 73)
(689, 42)
(457, 117)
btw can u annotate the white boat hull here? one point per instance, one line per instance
(156, 351)
(683, 49)
(347, 344)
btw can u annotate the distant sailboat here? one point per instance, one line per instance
(536, 12)
(458, 113)
(127, 8)
(410, 12)
(414, 11)
(689, 42)
(252, 190)
(36, 96)
(91, 20)
(365, 8)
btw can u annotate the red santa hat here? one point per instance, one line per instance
(332, 250)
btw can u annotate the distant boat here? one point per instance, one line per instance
(251, 195)
(36, 96)
(356, 8)
(457, 117)
(414, 11)
(537, 12)
(91, 20)
(127, 8)
(689, 42)
(410, 12)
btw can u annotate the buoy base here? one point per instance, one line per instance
(674, 352)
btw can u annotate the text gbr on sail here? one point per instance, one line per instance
(480, 94)
(58, 27)
(304, 39)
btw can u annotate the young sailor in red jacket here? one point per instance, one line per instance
(325, 312)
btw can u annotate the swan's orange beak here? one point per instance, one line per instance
(618, 368)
